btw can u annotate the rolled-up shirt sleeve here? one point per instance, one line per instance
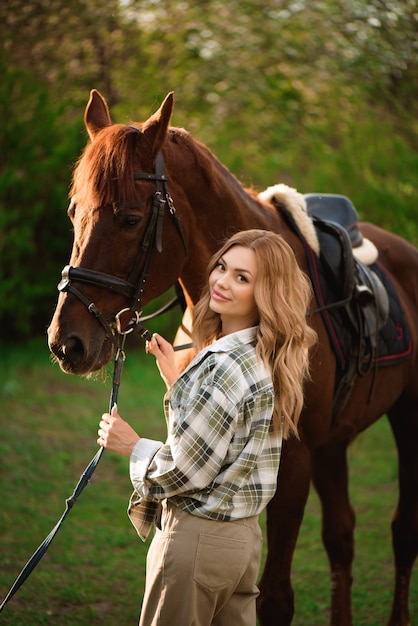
(141, 457)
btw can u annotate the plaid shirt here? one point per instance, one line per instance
(221, 457)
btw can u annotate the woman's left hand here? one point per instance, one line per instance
(164, 354)
(115, 434)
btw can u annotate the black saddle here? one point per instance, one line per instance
(338, 209)
(358, 304)
(336, 222)
(358, 289)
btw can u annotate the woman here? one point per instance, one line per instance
(226, 416)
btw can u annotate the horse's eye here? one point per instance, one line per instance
(130, 221)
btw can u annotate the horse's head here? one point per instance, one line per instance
(123, 219)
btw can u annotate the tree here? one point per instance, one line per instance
(320, 95)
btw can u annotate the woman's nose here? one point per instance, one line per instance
(222, 281)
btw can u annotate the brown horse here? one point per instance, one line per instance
(133, 240)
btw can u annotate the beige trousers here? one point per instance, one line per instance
(202, 572)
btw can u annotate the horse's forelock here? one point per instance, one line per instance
(104, 172)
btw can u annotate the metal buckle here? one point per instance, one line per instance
(130, 327)
(65, 279)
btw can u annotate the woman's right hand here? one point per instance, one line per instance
(164, 354)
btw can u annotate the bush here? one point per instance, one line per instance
(37, 145)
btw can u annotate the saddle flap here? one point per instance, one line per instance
(376, 308)
(336, 256)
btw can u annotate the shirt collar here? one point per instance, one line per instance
(229, 342)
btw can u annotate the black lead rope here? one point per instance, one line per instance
(82, 483)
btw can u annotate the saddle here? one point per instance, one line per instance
(358, 302)
(336, 222)
(358, 289)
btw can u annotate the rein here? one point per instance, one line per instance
(82, 483)
(114, 331)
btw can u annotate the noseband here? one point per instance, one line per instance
(152, 239)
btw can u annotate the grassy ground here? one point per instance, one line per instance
(93, 573)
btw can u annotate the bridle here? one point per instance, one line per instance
(153, 239)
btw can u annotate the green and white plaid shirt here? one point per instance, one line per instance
(221, 457)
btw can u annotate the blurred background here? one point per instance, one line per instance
(321, 95)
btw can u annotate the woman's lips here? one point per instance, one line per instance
(219, 297)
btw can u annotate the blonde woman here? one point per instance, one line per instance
(227, 414)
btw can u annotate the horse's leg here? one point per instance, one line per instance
(330, 477)
(275, 605)
(404, 421)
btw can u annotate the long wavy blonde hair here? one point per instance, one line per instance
(282, 294)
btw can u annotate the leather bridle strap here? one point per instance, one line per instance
(74, 273)
(162, 195)
(152, 239)
(98, 279)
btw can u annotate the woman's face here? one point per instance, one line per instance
(231, 286)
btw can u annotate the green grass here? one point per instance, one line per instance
(373, 489)
(93, 572)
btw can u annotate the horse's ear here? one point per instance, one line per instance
(156, 127)
(96, 115)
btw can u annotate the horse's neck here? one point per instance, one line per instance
(214, 194)
(224, 204)
(211, 218)
(212, 204)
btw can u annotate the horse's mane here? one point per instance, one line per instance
(217, 174)
(104, 172)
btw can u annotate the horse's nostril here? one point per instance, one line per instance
(70, 352)
(73, 349)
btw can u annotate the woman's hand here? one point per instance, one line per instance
(115, 434)
(164, 354)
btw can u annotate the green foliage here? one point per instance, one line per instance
(319, 95)
(37, 147)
